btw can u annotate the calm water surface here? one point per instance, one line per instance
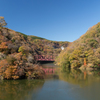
(57, 85)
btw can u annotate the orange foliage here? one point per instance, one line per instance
(10, 72)
(15, 77)
(18, 56)
(3, 65)
(3, 45)
(84, 61)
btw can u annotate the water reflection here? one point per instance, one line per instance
(19, 89)
(82, 78)
(56, 85)
(73, 76)
(51, 71)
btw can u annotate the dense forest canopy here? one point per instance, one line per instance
(83, 53)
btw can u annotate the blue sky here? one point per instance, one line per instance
(58, 20)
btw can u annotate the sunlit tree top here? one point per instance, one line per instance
(2, 21)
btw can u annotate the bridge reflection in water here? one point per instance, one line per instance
(50, 71)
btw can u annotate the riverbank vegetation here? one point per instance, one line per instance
(17, 53)
(84, 53)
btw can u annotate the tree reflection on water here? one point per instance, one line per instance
(19, 89)
(82, 78)
(25, 89)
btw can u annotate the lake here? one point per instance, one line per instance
(56, 85)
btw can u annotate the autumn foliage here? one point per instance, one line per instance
(2, 21)
(84, 52)
(18, 51)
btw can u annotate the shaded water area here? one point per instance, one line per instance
(56, 85)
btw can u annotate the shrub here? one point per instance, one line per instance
(2, 56)
(30, 58)
(75, 64)
(2, 22)
(21, 49)
(11, 59)
(93, 43)
(25, 36)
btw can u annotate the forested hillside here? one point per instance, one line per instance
(17, 54)
(84, 53)
(47, 47)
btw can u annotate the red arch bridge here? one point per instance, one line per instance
(45, 57)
